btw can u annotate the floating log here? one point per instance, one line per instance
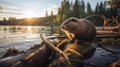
(107, 33)
(108, 36)
(108, 28)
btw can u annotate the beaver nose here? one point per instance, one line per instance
(64, 27)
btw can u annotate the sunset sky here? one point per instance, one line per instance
(32, 8)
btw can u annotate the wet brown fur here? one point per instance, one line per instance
(81, 28)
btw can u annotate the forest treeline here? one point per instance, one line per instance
(76, 8)
(28, 21)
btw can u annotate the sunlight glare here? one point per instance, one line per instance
(28, 14)
(29, 29)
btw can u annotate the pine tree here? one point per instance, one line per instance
(64, 11)
(4, 19)
(67, 10)
(89, 9)
(82, 9)
(59, 15)
(76, 12)
(51, 12)
(97, 9)
(46, 14)
(101, 8)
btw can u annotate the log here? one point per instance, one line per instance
(100, 34)
(108, 36)
(107, 33)
(108, 28)
(37, 57)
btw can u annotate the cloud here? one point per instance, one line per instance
(9, 7)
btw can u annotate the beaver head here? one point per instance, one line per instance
(80, 29)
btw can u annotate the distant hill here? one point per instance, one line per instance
(29, 21)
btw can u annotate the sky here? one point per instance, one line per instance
(32, 8)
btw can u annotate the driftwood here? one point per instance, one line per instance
(107, 21)
(52, 46)
(113, 29)
(107, 33)
(37, 57)
(108, 36)
(108, 28)
(11, 52)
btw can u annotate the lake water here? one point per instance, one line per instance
(21, 37)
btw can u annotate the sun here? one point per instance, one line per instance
(28, 14)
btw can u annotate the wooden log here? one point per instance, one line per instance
(108, 36)
(100, 34)
(31, 58)
(107, 33)
(108, 28)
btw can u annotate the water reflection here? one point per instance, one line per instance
(29, 28)
(22, 37)
(14, 30)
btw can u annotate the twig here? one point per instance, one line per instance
(60, 52)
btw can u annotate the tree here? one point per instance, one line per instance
(82, 9)
(51, 17)
(89, 9)
(4, 19)
(63, 11)
(97, 9)
(67, 10)
(46, 14)
(51, 13)
(76, 11)
(101, 8)
(1, 10)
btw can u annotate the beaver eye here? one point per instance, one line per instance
(63, 27)
(74, 20)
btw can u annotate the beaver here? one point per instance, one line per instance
(79, 44)
(80, 29)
